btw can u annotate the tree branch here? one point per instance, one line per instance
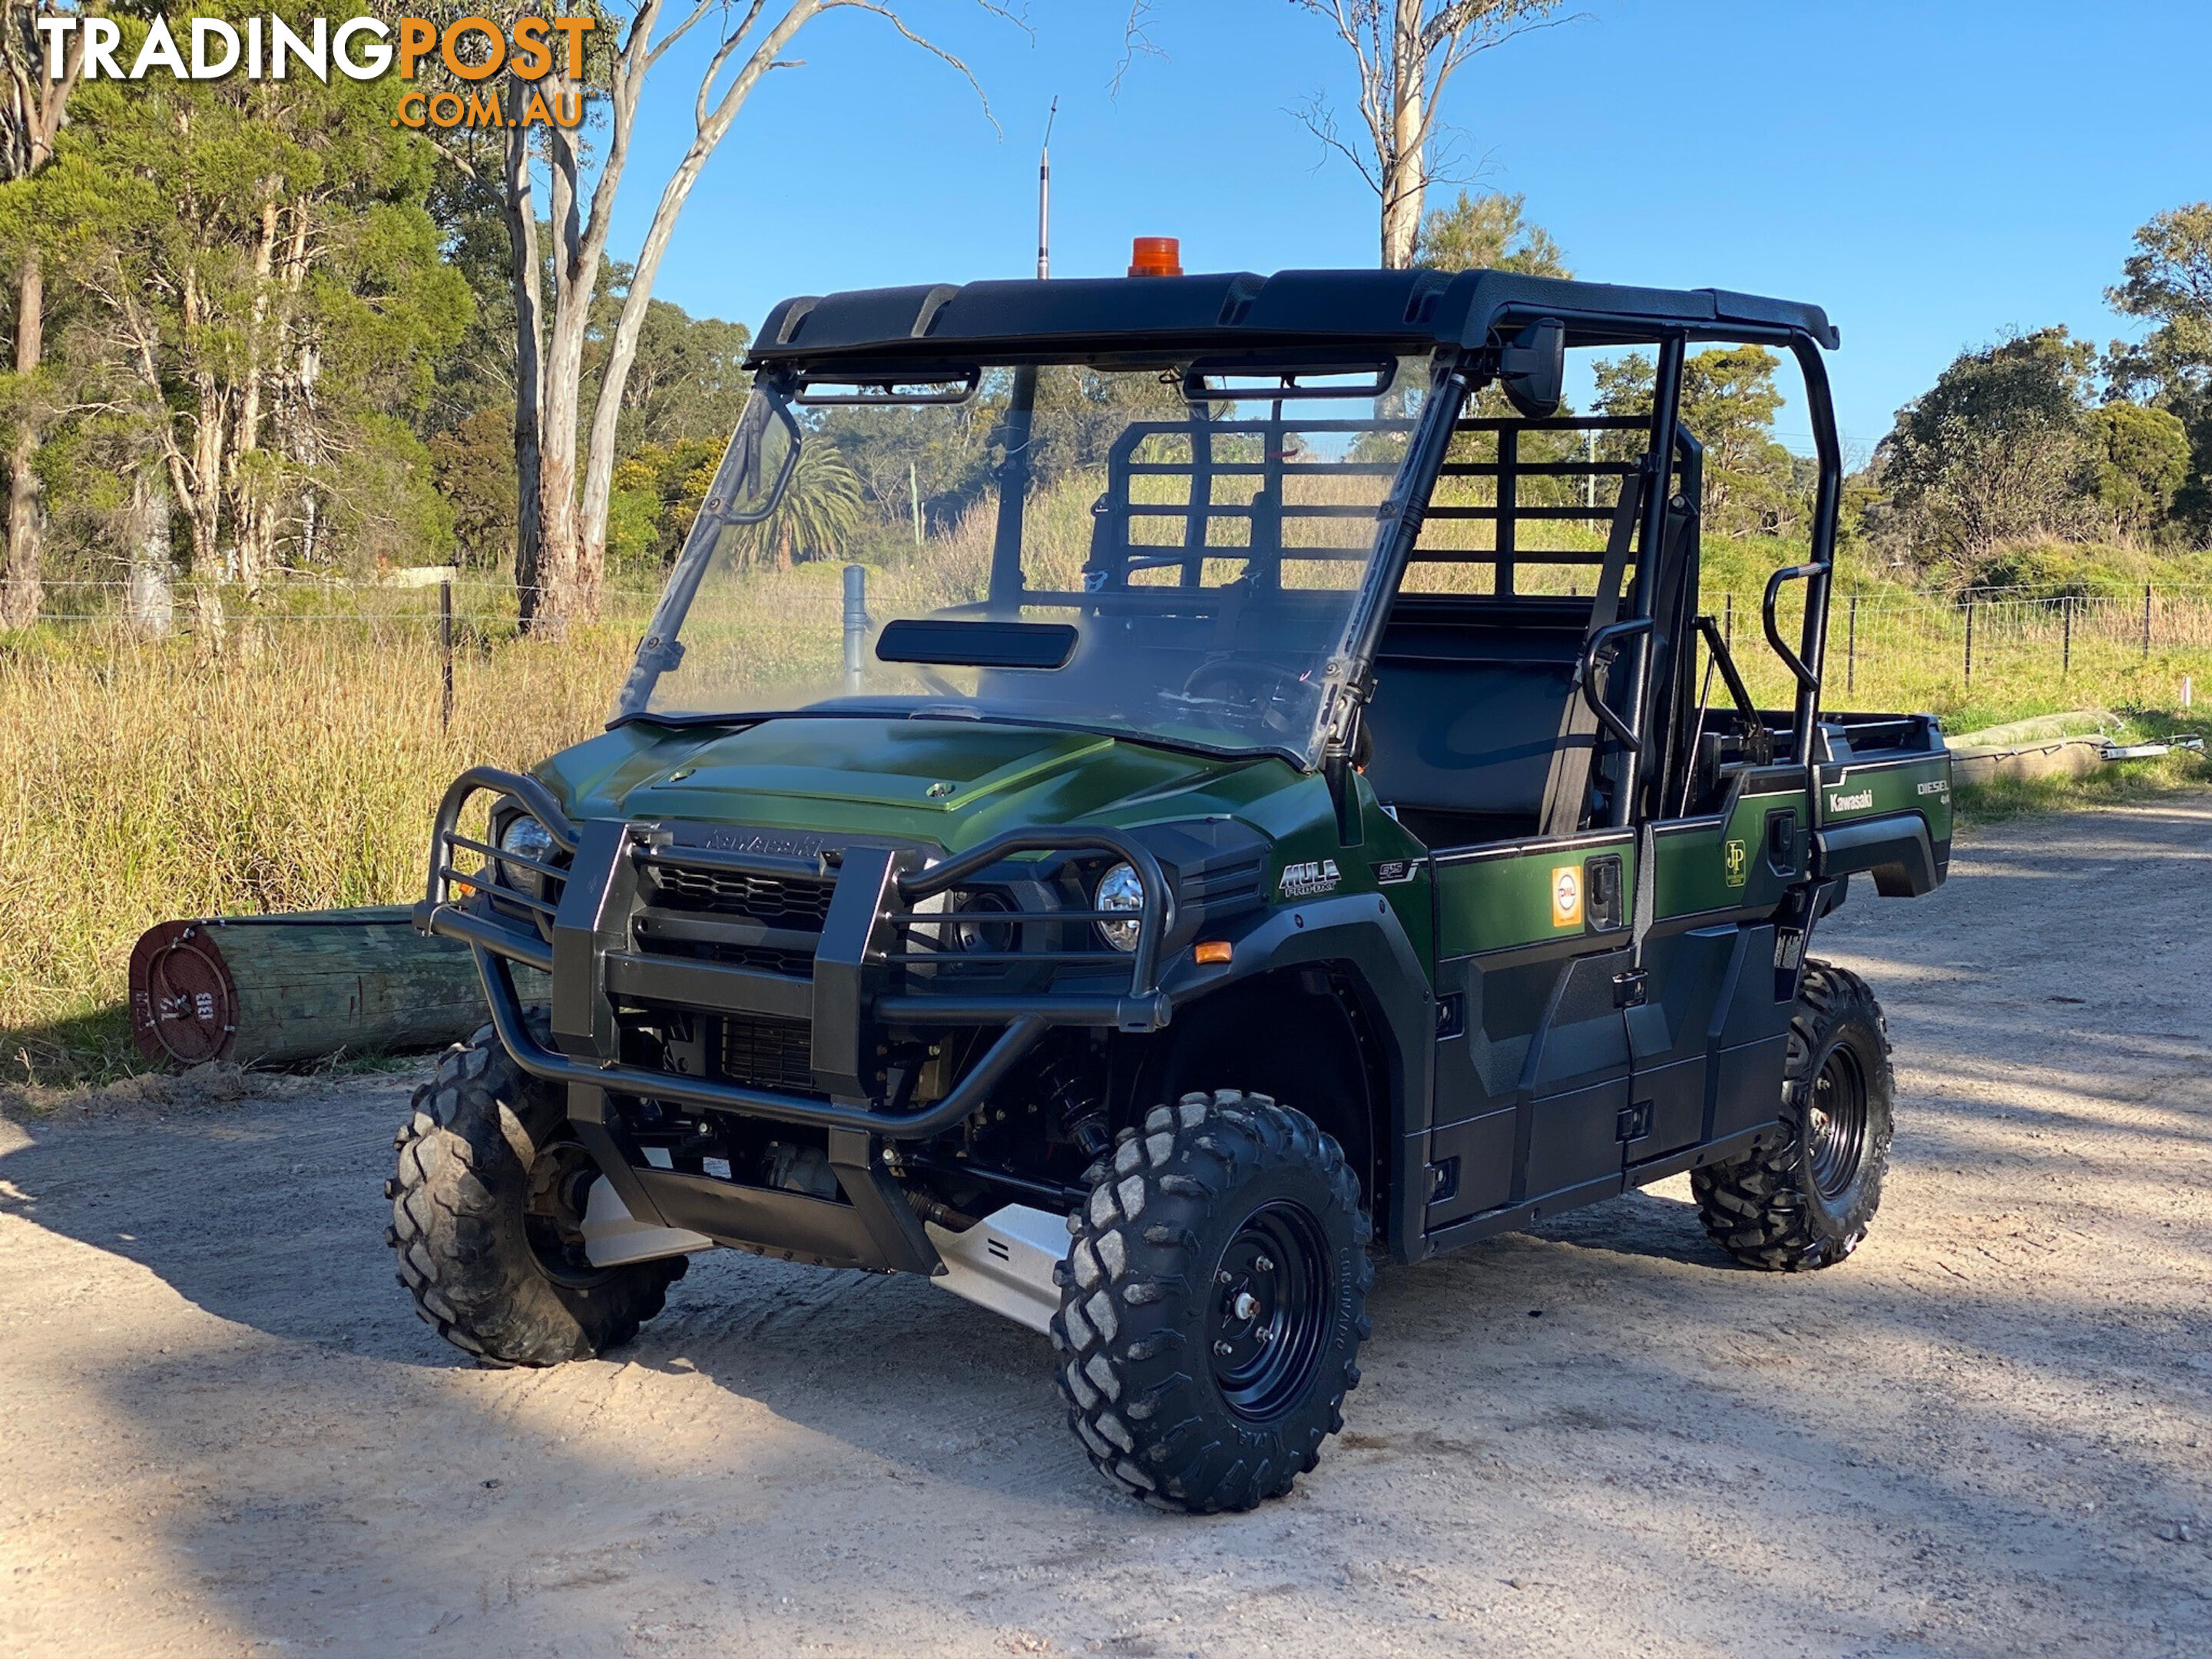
(932, 48)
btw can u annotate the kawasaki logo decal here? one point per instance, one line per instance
(1851, 802)
(1309, 879)
(781, 843)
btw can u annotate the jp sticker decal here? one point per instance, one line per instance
(1567, 895)
(1735, 863)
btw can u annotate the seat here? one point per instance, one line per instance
(1470, 700)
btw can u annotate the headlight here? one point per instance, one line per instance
(529, 839)
(1120, 890)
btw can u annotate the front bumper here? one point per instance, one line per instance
(851, 963)
(590, 943)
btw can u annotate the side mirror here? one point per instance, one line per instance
(1531, 368)
(758, 463)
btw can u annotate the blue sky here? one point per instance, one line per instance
(1935, 174)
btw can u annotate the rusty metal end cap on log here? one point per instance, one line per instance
(183, 1004)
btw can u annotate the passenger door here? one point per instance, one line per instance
(1533, 1062)
(1707, 1033)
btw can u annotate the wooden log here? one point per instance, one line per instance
(284, 988)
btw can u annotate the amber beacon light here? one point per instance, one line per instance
(1155, 256)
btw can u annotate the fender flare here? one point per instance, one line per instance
(1361, 932)
(1895, 847)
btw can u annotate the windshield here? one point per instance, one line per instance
(1172, 552)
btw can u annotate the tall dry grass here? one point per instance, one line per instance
(148, 779)
(298, 766)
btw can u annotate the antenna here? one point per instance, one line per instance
(1044, 193)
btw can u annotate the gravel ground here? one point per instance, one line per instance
(223, 1431)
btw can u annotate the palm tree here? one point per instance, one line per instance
(819, 510)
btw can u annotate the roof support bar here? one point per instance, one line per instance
(1814, 638)
(1658, 491)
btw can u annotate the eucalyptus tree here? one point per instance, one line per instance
(573, 176)
(267, 286)
(33, 106)
(1405, 54)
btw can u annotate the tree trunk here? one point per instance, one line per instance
(23, 592)
(253, 515)
(606, 413)
(565, 587)
(526, 281)
(708, 129)
(1404, 171)
(198, 482)
(150, 602)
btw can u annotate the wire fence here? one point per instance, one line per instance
(2150, 646)
(2146, 647)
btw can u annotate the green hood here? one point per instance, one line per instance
(952, 782)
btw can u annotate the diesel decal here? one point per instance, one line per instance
(1567, 895)
(1735, 863)
(1857, 802)
(1392, 872)
(1940, 787)
(1309, 879)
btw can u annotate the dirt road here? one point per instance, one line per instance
(223, 1432)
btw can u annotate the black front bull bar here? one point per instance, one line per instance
(590, 928)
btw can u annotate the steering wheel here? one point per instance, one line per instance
(1253, 688)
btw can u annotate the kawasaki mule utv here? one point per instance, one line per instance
(1285, 816)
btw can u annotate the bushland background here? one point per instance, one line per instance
(274, 357)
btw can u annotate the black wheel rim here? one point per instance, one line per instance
(561, 1178)
(1269, 1313)
(1836, 1122)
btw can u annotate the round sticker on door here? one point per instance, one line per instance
(1567, 895)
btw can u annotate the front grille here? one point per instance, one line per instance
(761, 1053)
(761, 958)
(775, 900)
(1223, 883)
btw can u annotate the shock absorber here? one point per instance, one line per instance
(1077, 1108)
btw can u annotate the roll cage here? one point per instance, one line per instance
(1214, 324)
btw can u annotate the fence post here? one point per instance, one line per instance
(856, 624)
(1728, 621)
(1852, 655)
(2146, 621)
(1969, 641)
(446, 652)
(2066, 637)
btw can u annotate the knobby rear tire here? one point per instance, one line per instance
(1808, 1201)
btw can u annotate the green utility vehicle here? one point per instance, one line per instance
(1296, 807)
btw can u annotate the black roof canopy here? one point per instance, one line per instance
(1237, 312)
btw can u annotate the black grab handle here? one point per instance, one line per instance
(1603, 643)
(1791, 660)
